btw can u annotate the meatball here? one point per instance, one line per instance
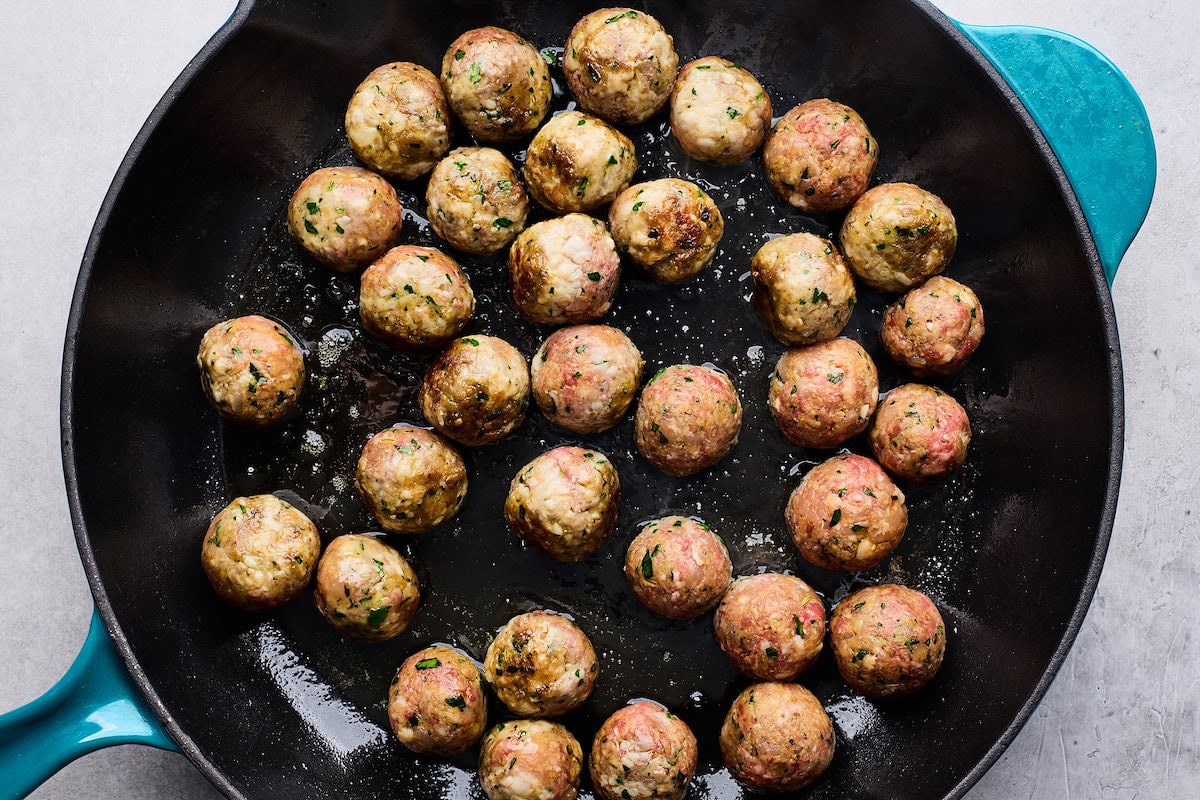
(585, 377)
(345, 217)
(772, 626)
(642, 750)
(530, 759)
(777, 737)
(251, 370)
(476, 201)
(803, 290)
(564, 270)
(398, 121)
(410, 479)
(541, 665)
(688, 419)
(565, 502)
(620, 64)
(365, 588)
(823, 394)
(437, 703)
(577, 162)
(897, 235)
(678, 567)
(670, 228)
(846, 514)
(920, 433)
(498, 84)
(820, 156)
(476, 392)
(935, 328)
(259, 552)
(719, 111)
(887, 640)
(415, 298)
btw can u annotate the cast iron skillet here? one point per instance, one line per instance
(280, 706)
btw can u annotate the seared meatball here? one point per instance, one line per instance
(897, 235)
(777, 737)
(585, 377)
(530, 759)
(564, 270)
(678, 567)
(365, 588)
(398, 121)
(887, 640)
(803, 290)
(820, 156)
(719, 111)
(846, 514)
(935, 328)
(671, 228)
(565, 502)
(345, 217)
(920, 433)
(476, 392)
(772, 626)
(498, 84)
(259, 552)
(577, 162)
(437, 703)
(541, 665)
(251, 370)
(823, 394)
(642, 750)
(410, 479)
(688, 418)
(476, 201)
(415, 298)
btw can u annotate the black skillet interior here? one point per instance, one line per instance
(280, 706)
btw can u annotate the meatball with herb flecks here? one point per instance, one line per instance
(437, 703)
(771, 626)
(410, 479)
(719, 111)
(476, 201)
(803, 290)
(564, 270)
(530, 759)
(541, 665)
(578, 162)
(415, 298)
(345, 217)
(643, 750)
(935, 328)
(585, 377)
(677, 567)
(669, 227)
(819, 156)
(477, 391)
(823, 394)
(497, 83)
(777, 737)
(920, 433)
(897, 235)
(398, 121)
(251, 370)
(365, 588)
(688, 418)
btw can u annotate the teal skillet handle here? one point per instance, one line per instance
(94, 705)
(1093, 119)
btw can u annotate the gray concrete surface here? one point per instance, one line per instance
(1119, 723)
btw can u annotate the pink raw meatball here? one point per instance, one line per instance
(823, 394)
(772, 626)
(935, 328)
(678, 567)
(920, 433)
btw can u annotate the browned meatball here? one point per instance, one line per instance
(530, 759)
(688, 418)
(678, 567)
(823, 394)
(498, 84)
(819, 156)
(437, 703)
(476, 392)
(935, 328)
(669, 227)
(771, 626)
(897, 235)
(585, 377)
(251, 370)
(719, 111)
(803, 290)
(777, 737)
(541, 665)
(920, 433)
(410, 479)
(415, 298)
(578, 162)
(564, 270)
(398, 121)
(345, 217)
(643, 750)
(476, 201)
(365, 588)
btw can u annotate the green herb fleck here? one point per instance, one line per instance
(313, 208)
(836, 518)
(647, 566)
(593, 276)
(501, 222)
(429, 663)
(456, 701)
(376, 617)
(308, 226)
(473, 74)
(629, 14)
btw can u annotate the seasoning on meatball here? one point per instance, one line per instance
(530, 759)
(498, 84)
(259, 552)
(803, 290)
(565, 502)
(669, 227)
(897, 235)
(415, 298)
(410, 479)
(564, 270)
(688, 418)
(846, 514)
(677, 567)
(365, 588)
(772, 626)
(476, 201)
(585, 377)
(719, 111)
(823, 394)
(437, 703)
(578, 162)
(777, 737)
(541, 665)
(920, 433)
(819, 156)
(642, 750)
(251, 370)
(398, 121)
(887, 640)
(476, 392)
(935, 328)
(345, 217)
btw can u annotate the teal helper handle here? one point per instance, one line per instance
(94, 705)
